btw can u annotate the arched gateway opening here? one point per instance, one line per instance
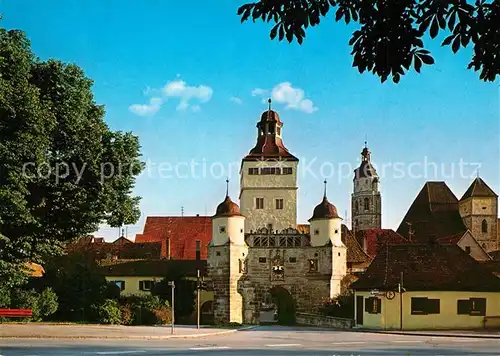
(283, 306)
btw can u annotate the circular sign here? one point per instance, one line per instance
(390, 295)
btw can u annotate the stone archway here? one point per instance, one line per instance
(207, 313)
(285, 305)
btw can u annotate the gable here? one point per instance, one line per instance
(476, 251)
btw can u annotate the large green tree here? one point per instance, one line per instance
(389, 37)
(62, 170)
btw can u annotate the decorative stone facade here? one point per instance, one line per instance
(256, 250)
(243, 277)
(366, 201)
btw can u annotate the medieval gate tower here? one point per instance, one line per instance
(257, 254)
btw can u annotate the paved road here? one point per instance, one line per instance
(271, 340)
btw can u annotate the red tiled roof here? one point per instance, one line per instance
(182, 231)
(355, 253)
(429, 266)
(452, 239)
(434, 212)
(373, 238)
(324, 210)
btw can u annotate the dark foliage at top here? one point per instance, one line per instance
(389, 37)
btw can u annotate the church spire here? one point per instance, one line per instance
(325, 188)
(227, 187)
(365, 154)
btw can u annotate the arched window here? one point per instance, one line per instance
(356, 206)
(367, 204)
(484, 226)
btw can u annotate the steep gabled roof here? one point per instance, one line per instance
(429, 266)
(434, 212)
(479, 188)
(182, 231)
(373, 238)
(355, 253)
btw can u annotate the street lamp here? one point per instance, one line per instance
(172, 285)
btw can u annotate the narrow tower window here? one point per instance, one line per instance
(356, 206)
(484, 226)
(367, 204)
(279, 204)
(259, 203)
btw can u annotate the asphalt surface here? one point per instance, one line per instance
(266, 340)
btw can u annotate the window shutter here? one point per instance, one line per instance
(123, 285)
(379, 306)
(368, 305)
(463, 307)
(433, 306)
(479, 306)
(141, 285)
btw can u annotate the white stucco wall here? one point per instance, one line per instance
(324, 230)
(234, 227)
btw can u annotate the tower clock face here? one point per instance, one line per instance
(390, 295)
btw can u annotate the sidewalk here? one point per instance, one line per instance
(54, 331)
(480, 334)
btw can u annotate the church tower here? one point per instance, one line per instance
(268, 182)
(227, 255)
(479, 211)
(366, 201)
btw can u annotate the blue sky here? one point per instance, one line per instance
(196, 66)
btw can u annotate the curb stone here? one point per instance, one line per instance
(132, 337)
(417, 333)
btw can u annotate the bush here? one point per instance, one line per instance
(342, 307)
(127, 314)
(109, 312)
(147, 310)
(26, 299)
(163, 315)
(4, 297)
(47, 303)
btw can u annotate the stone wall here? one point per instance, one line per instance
(323, 321)
(474, 211)
(309, 290)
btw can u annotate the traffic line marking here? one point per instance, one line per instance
(124, 352)
(407, 341)
(283, 345)
(348, 343)
(209, 348)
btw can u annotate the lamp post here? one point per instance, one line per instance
(172, 285)
(198, 288)
(401, 291)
